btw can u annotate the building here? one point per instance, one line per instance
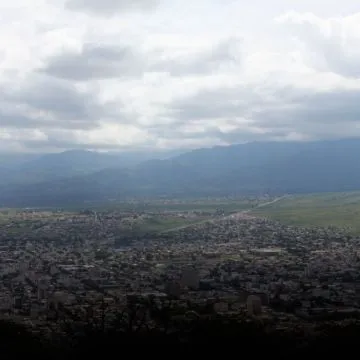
(190, 278)
(254, 306)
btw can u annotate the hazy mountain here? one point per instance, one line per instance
(30, 169)
(254, 168)
(12, 160)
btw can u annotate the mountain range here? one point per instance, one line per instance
(247, 169)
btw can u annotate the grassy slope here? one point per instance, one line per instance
(331, 209)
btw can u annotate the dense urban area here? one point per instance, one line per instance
(64, 270)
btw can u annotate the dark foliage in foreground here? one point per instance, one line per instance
(248, 337)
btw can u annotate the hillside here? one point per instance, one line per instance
(34, 169)
(248, 169)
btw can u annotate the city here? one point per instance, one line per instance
(66, 269)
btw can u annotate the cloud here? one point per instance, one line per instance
(187, 75)
(109, 7)
(222, 102)
(45, 103)
(242, 114)
(218, 57)
(330, 44)
(95, 62)
(328, 114)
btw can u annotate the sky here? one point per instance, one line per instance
(180, 74)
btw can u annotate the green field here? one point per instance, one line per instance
(331, 209)
(154, 216)
(209, 205)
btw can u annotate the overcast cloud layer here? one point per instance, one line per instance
(121, 74)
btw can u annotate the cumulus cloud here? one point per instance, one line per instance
(331, 44)
(187, 75)
(240, 114)
(109, 7)
(40, 102)
(95, 62)
(216, 58)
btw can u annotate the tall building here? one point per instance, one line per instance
(173, 289)
(58, 298)
(254, 306)
(17, 302)
(190, 278)
(42, 293)
(221, 307)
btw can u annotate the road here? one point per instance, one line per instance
(271, 202)
(244, 214)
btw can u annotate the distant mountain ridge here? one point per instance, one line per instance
(31, 169)
(253, 168)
